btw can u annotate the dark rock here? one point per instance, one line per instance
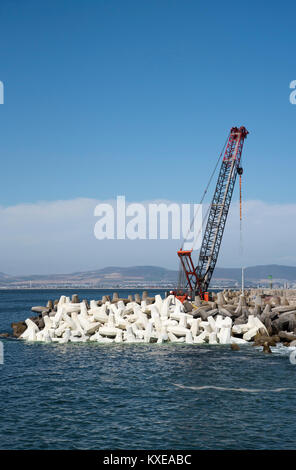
(231, 308)
(266, 348)
(138, 298)
(188, 307)
(213, 305)
(287, 336)
(46, 313)
(237, 313)
(115, 296)
(292, 324)
(204, 313)
(273, 315)
(240, 320)
(285, 322)
(34, 319)
(220, 298)
(265, 313)
(18, 328)
(282, 309)
(49, 304)
(144, 295)
(258, 300)
(40, 323)
(257, 311)
(75, 299)
(284, 301)
(259, 340)
(275, 327)
(268, 325)
(242, 301)
(245, 312)
(235, 347)
(275, 300)
(262, 331)
(197, 301)
(223, 311)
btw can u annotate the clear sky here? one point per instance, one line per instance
(136, 97)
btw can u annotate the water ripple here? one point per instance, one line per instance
(248, 390)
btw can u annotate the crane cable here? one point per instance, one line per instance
(202, 199)
(240, 215)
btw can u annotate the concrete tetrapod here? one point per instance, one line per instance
(236, 320)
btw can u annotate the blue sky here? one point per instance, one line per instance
(114, 97)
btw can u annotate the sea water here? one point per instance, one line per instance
(141, 396)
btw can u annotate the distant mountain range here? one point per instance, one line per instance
(105, 277)
(141, 276)
(258, 273)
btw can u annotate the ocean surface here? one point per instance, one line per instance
(91, 396)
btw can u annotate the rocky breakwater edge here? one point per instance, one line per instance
(264, 319)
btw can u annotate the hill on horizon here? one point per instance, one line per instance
(112, 275)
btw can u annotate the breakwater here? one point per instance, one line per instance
(266, 318)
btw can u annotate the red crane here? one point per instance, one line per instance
(196, 279)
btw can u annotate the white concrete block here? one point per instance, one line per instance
(226, 322)
(39, 336)
(250, 334)
(212, 323)
(118, 337)
(183, 320)
(213, 338)
(172, 337)
(181, 339)
(224, 335)
(235, 340)
(69, 308)
(93, 304)
(178, 330)
(100, 315)
(194, 327)
(206, 326)
(108, 331)
(200, 339)
(189, 337)
(219, 321)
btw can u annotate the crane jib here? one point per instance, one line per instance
(197, 279)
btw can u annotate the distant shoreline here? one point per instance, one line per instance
(85, 288)
(102, 288)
